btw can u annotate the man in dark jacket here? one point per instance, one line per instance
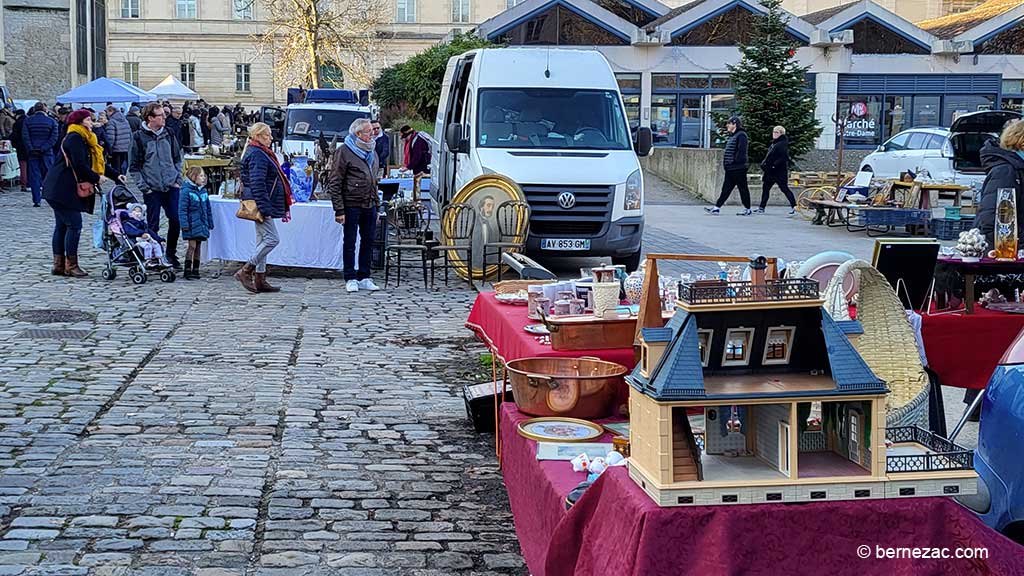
(775, 170)
(62, 128)
(174, 122)
(19, 146)
(156, 167)
(382, 147)
(735, 164)
(134, 121)
(417, 151)
(119, 134)
(352, 184)
(40, 136)
(1004, 168)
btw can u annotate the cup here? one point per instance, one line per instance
(561, 307)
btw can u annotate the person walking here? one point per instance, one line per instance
(19, 147)
(196, 218)
(217, 127)
(417, 151)
(735, 164)
(264, 182)
(156, 163)
(195, 130)
(775, 170)
(382, 147)
(119, 135)
(82, 161)
(352, 184)
(134, 120)
(39, 134)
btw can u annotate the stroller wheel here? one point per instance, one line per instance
(138, 278)
(168, 276)
(108, 273)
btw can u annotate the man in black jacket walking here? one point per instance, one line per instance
(735, 164)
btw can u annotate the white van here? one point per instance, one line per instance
(553, 121)
(325, 112)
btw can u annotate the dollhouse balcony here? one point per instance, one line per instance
(914, 449)
(705, 292)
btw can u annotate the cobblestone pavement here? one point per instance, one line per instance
(191, 428)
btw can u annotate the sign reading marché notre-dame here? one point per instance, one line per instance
(860, 124)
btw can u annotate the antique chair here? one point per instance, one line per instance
(513, 217)
(457, 222)
(413, 230)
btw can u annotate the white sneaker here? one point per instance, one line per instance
(352, 286)
(367, 284)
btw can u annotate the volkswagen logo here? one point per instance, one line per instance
(566, 200)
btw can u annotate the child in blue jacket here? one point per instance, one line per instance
(196, 218)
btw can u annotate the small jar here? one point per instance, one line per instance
(543, 306)
(561, 307)
(577, 306)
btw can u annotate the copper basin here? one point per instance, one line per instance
(574, 387)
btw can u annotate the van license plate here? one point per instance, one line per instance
(565, 244)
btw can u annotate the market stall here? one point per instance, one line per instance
(964, 349)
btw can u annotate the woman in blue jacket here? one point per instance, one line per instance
(196, 218)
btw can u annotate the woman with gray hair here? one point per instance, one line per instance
(775, 170)
(352, 184)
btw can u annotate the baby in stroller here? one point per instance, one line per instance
(133, 223)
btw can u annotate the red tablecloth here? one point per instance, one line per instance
(616, 529)
(964, 349)
(500, 326)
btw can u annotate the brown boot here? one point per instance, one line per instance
(261, 283)
(58, 265)
(71, 267)
(244, 275)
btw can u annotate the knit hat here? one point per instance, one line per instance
(78, 116)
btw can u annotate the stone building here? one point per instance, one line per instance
(51, 46)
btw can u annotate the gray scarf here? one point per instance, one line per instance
(365, 146)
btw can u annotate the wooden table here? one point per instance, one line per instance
(829, 212)
(215, 167)
(971, 270)
(956, 189)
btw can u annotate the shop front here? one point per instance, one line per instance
(684, 108)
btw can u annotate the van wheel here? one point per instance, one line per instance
(631, 262)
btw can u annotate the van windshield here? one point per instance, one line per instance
(551, 118)
(309, 123)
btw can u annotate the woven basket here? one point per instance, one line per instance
(514, 286)
(888, 344)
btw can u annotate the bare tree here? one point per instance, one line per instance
(306, 37)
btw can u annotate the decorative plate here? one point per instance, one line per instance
(822, 267)
(514, 299)
(559, 429)
(537, 329)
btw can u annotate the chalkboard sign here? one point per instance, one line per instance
(909, 266)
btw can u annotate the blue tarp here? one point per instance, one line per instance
(103, 90)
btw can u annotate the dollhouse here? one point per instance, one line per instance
(791, 412)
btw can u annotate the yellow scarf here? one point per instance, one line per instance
(99, 165)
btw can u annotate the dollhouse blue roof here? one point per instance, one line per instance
(656, 334)
(679, 374)
(850, 326)
(849, 370)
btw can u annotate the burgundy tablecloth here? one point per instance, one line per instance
(964, 349)
(500, 326)
(617, 530)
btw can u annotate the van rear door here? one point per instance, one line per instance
(970, 132)
(450, 111)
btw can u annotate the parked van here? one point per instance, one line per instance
(325, 112)
(553, 121)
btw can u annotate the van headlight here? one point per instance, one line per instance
(634, 192)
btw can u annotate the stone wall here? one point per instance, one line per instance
(826, 160)
(37, 44)
(697, 170)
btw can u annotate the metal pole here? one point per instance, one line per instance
(967, 413)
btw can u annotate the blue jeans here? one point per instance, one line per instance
(363, 221)
(37, 168)
(167, 200)
(67, 231)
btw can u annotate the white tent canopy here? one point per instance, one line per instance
(172, 89)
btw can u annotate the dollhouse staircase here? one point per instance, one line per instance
(685, 454)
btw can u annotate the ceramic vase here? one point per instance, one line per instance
(634, 287)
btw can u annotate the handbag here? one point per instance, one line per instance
(248, 210)
(85, 189)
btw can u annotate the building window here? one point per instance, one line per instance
(405, 11)
(242, 9)
(513, 3)
(188, 74)
(737, 346)
(704, 338)
(99, 38)
(242, 77)
(82, 35)
(460, 11)
(778, 345)
(129, 8)
(131, 73)
(185, 9)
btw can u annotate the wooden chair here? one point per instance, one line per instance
(513, 217)
(457, 222)
(410, 241)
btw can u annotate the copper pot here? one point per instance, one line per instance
(574, 387)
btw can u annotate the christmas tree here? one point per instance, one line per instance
(770, 87)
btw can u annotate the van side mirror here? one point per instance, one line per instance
(453, 138)
(644, 141)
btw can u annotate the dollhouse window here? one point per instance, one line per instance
(704, 343)
(737, 346)
(778, 345)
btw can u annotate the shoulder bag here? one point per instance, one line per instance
(85, 189)
(248, 210)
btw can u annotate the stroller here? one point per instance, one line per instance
(123, 250)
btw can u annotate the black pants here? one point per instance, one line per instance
(364, 222)
(168, 200)
(733, 179)
(770, 180)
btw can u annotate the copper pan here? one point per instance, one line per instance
(574, 387)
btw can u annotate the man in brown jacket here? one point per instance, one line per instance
(352, 184)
